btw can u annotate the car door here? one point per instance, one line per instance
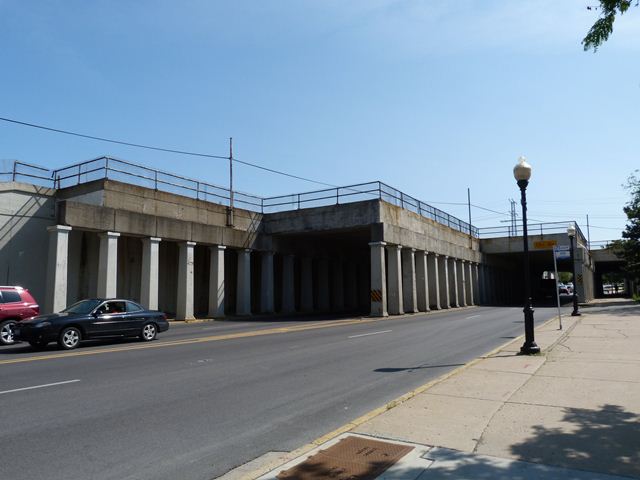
(110, 319)
(12, 305)
(136, 317)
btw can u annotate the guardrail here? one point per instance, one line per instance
(365, 191)
(599, 244)
(27, 171)
(116, 169)
(545, 228)
(128, 172)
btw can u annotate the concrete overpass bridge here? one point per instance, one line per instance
(108, 227)
(606, 264)
(503, 249)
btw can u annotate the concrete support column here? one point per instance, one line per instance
(476, 284)
(504, 286)
(470, 284)
(216, 281)
(394, 280)
(57, 265)
(453, 282)
(288, 287)
(422, 281)
(378, 292)
(445, 297)
(364, 279)
(493, 286)
(184, 305)
(266, 283)
(490, 286)
(462, 283)
(409, 291)
(351, 285)
(512, 290)
(337, 285)
(150, 272)
(482, 284)
(324, 289)
(434, 282)
(306, 285)
(108, 265)
(496, 292)
(243, 289)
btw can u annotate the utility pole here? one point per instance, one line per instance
(514, 225)
(588, 234)
(230, 208)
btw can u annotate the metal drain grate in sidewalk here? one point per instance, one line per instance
(352, 458)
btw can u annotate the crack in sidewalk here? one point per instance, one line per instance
(559, 342)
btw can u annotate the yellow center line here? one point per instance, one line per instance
(190, 341)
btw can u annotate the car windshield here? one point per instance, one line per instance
(84, 306)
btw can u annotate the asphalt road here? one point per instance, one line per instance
(205, 398)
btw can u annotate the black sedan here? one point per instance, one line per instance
(92, 318)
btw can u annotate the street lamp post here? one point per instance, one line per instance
(571, 231)
(522, 174)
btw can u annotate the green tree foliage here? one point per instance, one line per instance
(565, 277)
(603, 27)
(629, 247)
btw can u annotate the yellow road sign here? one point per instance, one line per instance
(544, 244)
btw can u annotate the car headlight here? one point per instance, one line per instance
(42, 324)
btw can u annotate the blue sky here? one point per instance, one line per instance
(430, 97)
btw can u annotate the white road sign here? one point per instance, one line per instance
(562, 252)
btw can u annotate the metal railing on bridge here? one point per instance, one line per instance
(21, 171)
(365, 191)
(121, 170)
(542, 229)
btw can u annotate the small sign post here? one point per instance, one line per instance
(560, 252)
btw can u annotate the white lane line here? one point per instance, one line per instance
(372, 333)
(473, 316)
(39, 386)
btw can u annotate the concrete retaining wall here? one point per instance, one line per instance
(25, 213)
(406, 228)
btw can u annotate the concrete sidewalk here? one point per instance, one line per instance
(572, 412)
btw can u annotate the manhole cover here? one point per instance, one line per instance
(352, 458)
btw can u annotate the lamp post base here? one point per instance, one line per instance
(576, 312)
(529, 349)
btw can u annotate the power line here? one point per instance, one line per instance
(564, 215)
(445, 203)
(489, 210)
(161, 149)
(607, 228)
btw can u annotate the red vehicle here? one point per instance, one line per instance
(16, 303)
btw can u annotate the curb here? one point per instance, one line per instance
(310, 317)
(395, 402)
(195, 320)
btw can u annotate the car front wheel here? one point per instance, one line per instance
(6, 332)
(69, 338)
(149, 332)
